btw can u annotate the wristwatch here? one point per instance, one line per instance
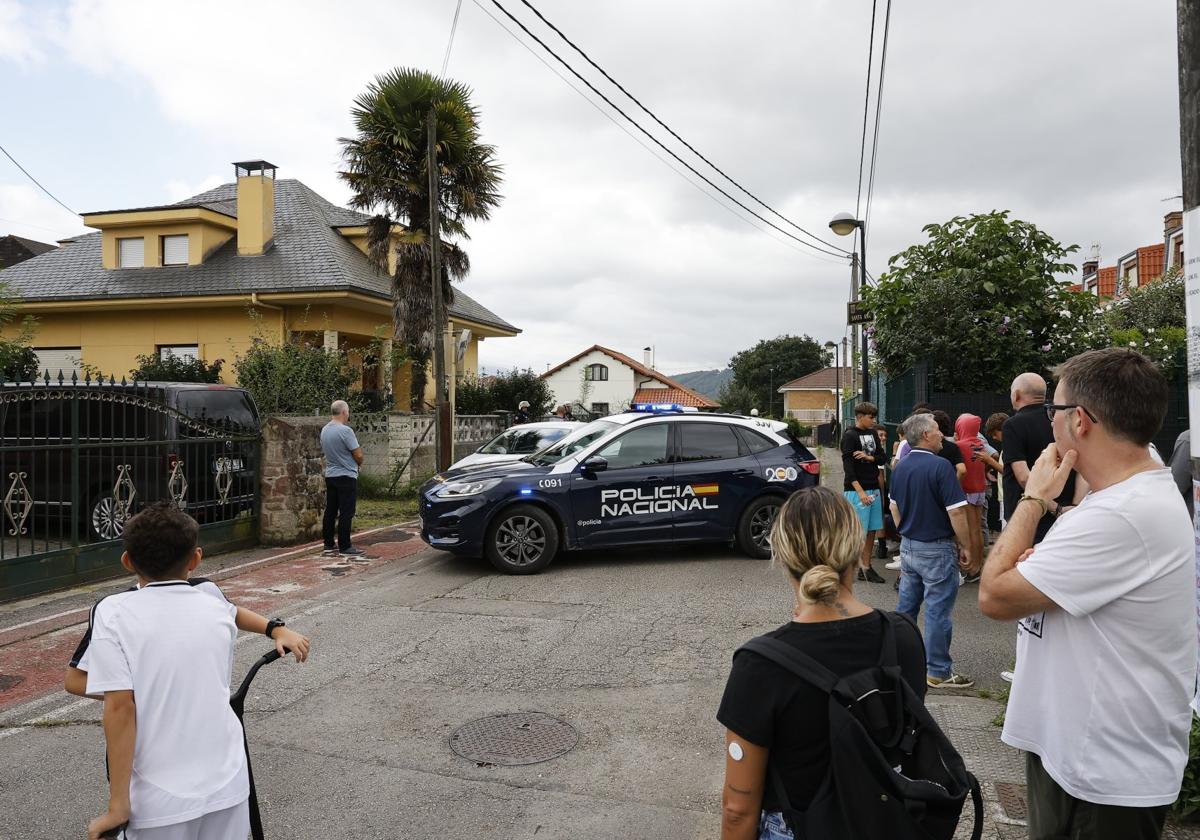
(272, 625)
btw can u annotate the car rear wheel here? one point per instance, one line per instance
(754, 528)
(104, 519)
(522, 540)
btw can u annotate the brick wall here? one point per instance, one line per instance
(292, 483)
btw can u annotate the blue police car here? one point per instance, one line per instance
(658, 474)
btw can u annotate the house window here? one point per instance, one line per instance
(1131, 278)
(600, 409)
(597, 373)
(131, 253)
(191, 352)
(175, 250)
(55, 359)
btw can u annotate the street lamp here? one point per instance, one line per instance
(844, 224)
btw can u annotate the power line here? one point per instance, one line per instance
(450, 43)
(862, 152)
(649, 149)
(654, 139)
(670, 130)
(887, 19)
(35, 180)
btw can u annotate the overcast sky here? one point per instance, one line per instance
(1065, 113)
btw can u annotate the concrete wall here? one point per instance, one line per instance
(409, 437)
(292, 483)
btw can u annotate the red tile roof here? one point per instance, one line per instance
(678, 396)
(825, 379)
(1075, 287)
(1151, 261)
(1107, 281)
(693, 398)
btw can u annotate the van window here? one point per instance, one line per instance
(218, 407)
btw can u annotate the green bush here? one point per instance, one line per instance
(296, 378)
(504, 392)
(1188, 803)
(172, 368)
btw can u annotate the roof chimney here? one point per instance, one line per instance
(255, 206)
(1090, 267)
(1172, 221)
(648, 357)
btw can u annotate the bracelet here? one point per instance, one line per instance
(1042, 502)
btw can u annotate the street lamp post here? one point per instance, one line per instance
(844, 224)
(837, 377)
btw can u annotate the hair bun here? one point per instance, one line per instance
(820, 585)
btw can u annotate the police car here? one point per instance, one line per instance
(658, 474)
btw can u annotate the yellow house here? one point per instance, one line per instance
(202, 277)
(813, 398)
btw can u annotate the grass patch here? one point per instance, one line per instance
(379, 505)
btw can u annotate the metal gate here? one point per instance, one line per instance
(78, 458)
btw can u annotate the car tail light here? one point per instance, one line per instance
(811, 467)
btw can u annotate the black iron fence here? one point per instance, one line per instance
(78, 458)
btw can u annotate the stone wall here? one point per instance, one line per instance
(292, 483)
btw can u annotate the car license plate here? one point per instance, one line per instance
(230, 464)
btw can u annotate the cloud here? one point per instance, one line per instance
(26, 211)
(179, 190)
(18, 35)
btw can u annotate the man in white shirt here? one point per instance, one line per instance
(1106, 643)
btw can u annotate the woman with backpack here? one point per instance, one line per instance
(778, 735)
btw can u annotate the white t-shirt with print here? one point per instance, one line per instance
(172, 644)
(1103, 682)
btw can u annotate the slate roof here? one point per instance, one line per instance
(30, 245)
(308, 255)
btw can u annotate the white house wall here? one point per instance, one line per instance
(618, 391)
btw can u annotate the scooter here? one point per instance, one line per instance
(238, 702)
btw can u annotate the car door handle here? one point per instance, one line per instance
(742, 473)
(653, 478)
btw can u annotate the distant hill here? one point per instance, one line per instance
(706, 382)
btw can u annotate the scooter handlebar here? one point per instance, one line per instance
(239, 697)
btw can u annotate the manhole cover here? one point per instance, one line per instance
(1012, 800)
(7, 681)
(522, 738)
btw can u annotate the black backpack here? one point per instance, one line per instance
(892, 771)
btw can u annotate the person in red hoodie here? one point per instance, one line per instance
(976, 454)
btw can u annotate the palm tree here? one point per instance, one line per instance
(387, 169)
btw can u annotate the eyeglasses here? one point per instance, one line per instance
(1051, 408)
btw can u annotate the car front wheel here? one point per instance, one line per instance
(522, 540)
(754, 528)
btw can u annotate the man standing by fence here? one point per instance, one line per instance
(343, 456)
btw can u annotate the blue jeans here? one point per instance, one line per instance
(771, 826)
(929, 573)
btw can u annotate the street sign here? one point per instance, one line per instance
(857, 313)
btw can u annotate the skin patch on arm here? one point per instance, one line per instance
(735, 751)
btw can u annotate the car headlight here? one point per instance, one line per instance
(458, 489)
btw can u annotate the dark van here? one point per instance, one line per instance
(88, 456)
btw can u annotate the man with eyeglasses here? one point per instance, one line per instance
(1106, 641)
(1026, 434)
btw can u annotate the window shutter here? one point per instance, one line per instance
(132, 252)
(65, 359)
(175, 250)
(179, 351)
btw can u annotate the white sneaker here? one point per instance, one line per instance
(894, 565)
(1007, 676)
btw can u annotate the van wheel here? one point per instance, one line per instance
(522, 540)
(754, 528)
(102, 520)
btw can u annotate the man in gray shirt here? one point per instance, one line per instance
(343, 456)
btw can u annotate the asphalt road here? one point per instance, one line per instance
(630, 648)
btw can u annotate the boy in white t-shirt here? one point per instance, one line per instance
(161, 656)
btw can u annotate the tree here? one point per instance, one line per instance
(757, 372)
(294, 378)
(980, 301)
(387, 170)
(1152, 319)
(153, 367)
(18, 362)
(504, 392)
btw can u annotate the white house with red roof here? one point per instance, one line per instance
(604, 381)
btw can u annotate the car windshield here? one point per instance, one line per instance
(521, 440)
(574, 442)
(225, 408)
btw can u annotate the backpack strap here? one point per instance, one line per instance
(888, 653)
(795, 661)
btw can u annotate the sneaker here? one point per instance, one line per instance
(952, 681)
(1007, 676)
(894, 565)
(351, 552)
(973, 578)
(873, 576)
(329, 551)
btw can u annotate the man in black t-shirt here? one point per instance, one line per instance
(862, 456)
(1026, 434)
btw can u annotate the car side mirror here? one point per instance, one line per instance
(595, 464)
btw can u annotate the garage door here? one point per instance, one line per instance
(54, 359)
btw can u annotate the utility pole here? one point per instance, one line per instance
(853, 357)
(443, 431)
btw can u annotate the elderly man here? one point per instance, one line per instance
(1106, 643)
(1025, 435)
(929, 508)
(343, 456)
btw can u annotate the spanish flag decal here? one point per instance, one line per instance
(706, 489)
